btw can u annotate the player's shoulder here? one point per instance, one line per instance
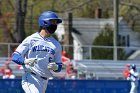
(36, 34)
(132, 71)
(29, 38)
(56, 42)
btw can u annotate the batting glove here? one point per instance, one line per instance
(30, 61)
(52, 66)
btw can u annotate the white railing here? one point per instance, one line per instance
(102, 68)
(6, 49)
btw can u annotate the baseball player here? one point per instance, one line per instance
(39, 54)
(126, 71)
(133, 77)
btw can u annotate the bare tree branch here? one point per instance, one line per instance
(76, 7)
(10, 3)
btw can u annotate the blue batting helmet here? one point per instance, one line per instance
(45, 17)
(133, 66)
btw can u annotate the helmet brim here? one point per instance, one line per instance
(58, 19)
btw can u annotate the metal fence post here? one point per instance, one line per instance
(8, 50)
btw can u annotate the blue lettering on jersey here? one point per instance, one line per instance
(43, 48)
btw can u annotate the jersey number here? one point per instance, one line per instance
(50, 59)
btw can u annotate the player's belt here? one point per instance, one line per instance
(40, 76)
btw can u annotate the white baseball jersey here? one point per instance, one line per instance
(44, 49)
(134, 81)
(133, 75)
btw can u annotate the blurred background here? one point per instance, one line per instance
(98, 38)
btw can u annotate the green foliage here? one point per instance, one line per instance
(79, 8)
(123, 10)
(105, 38)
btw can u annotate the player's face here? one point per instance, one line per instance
(52, 27)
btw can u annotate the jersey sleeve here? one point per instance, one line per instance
(58, 58)
(23, 47)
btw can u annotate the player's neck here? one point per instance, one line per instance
(44, 34)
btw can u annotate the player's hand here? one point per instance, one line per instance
(30, 61)
(52, 66)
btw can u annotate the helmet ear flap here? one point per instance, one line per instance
(46, 23)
